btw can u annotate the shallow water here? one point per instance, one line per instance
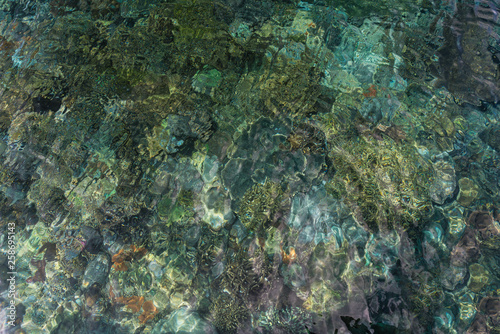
(243, 166)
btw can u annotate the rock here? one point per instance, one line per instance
(491, 136)
(317, 216)
(217, 207)
(466, 250)
(96, 272)
(183, 321)
(452, 277)
(377, 109)
(468, 191)
(260, 154)
(136, 280)
(466, 300)
(240, 31)
(490, 306)
(484, 223)
(479, 277)
(3, 147)
(444, 321)
(443, 187)
(456, 222)
(210, 168)
(295, 276)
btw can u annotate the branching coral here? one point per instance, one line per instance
(228, 313)
(259, 204)
(306, 138)
(238, 276)
(287, 320)
(383, 181)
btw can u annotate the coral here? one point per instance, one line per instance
(384, 182)
(135, 303)
(238, 276)
(121, 258)
(149, 311)
(259, 205)
(286, 320)
(307, 138)
(228, 313)
(290, 257)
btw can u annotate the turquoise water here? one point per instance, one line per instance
(243, 166)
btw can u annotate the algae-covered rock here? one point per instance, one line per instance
(207, 79)
(479, 277)
(491, 136)
(97, 271)
(469, 191)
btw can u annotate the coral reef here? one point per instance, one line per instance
(244, 166)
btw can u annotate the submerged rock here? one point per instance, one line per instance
(491, 136)
(317, 216)
(97, 271)
(183, 321)
(260, 154)
(444, 185)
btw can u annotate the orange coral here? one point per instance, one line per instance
(121, 258)
(111, 293)
(290, 257)
(135, 303)
(149, 312)
(120, 266)
(138, 252)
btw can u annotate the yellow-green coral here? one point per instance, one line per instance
(238, 276)
(228, 312)
(259, 204)
(383, 180)
(294, 88)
